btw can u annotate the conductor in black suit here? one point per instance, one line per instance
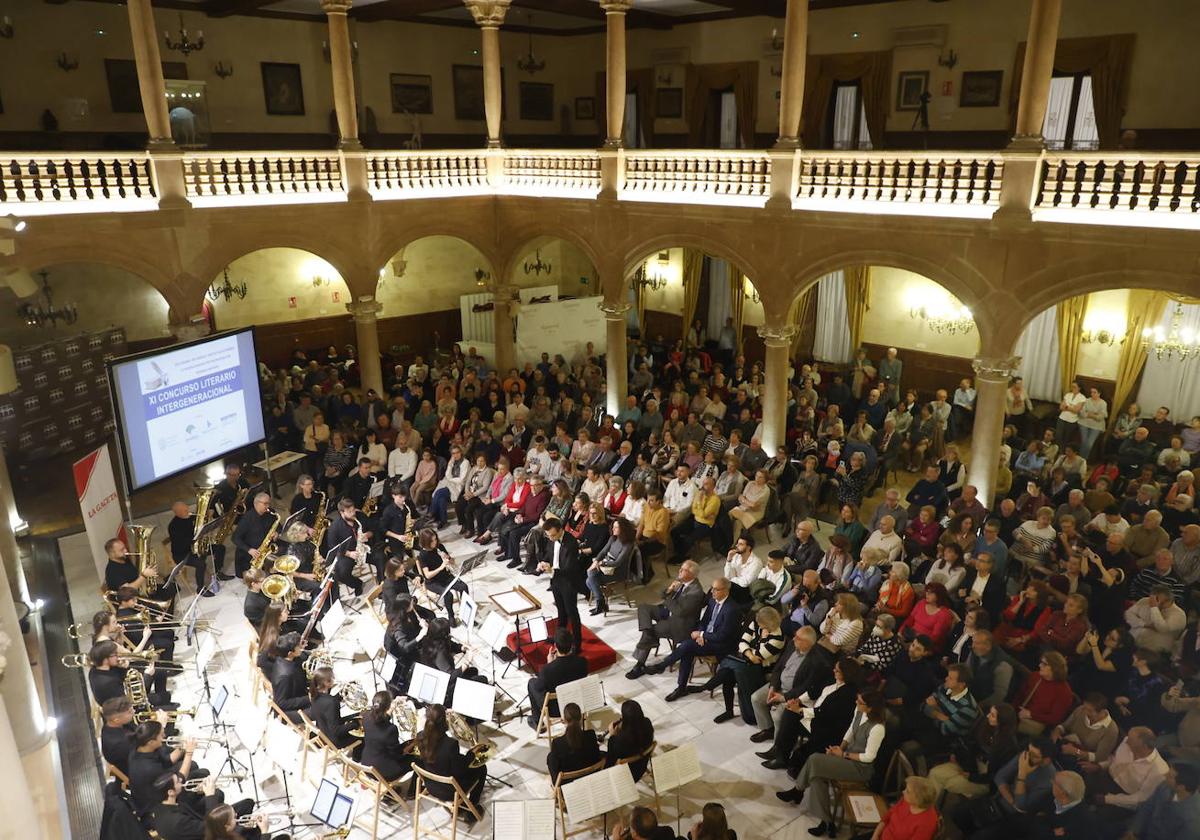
(560, 557)
(564, 666)
(673, 619)
(715, 634)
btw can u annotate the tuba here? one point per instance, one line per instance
(264, 548)
(203, 514)
(481, 751)
(280, 588)
(147, 560)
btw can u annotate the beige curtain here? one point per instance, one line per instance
(873, 72)
(693, 264)
(1108, 59)
(804, 317)
(1145, 309)
(737, 302)
(639, 298)
(858, 300)
(1071, 313)
(703, 79)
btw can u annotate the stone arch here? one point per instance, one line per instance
(389, 246)
(441, 283)
(277, 292)
(639, 252)
(525, 238)
(526, 248)
(345, 261)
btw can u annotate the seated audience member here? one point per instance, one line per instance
(896, 595)
(1045, 698)
(991, 670)
(864, 578)
(992, 743)
(931, 617)
(1160, 572)
(983, 587)
(672, 619)
(1172, 810)
(882, 647)
(1156, 621)
(1129, 776)
(1089, 734)
(715, 634)
(804, 668)
(1066, 627)
(1024, 795)
(758, 650)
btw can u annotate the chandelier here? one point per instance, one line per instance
(651, 277)
(36, 315)
(227, 290)
(1178, 341)
(537, 266)
(945, 317)
(185, 44)
(530, 63)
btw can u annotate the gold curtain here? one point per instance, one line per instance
(873, 72)
(639, 298)
(703, 79)
(858, 300)
(693, 264)
(1145, 309)
(804, 317)
(737, 302)
(1071, 313)
(640, 82)
(1108, 59)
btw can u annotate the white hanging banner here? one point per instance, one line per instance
(101, 505)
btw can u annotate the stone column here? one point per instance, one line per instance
(22, 821)
(1039, 68)
(991, 382)
(775, 384)
(17, 687)
(343, 71)
(614, 11)
(791, 89)
(489, 15)
(503, 301)
(616, 355)
(8, 538)
(165, 158)
(366, 333)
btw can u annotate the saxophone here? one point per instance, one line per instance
(147, 561)
(264, 548)
(320, 526)
(203, 514)
(229, 517)
(368, 508)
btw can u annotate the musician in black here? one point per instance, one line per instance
(116, 736)
(563, 665)
(181, 820)
(325, 710)
(289, 683)
(357, 486)
(402, 639)
(107, 675)
(255, 605)
(306, 499)
(438, 569)
(151, 758)
(299, 547)
(393, 522)
(250, 533)
(560, 557)
(181, 535)
(382, 748)
(133, 622)
(224, 497)
(122, 570)
(439, 754)
(345, 532)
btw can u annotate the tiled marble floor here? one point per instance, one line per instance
(732, 773)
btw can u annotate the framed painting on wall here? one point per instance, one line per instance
(468, 92)
(585, 108)
(412, 94)
(124, 95)
(283, 92)
(980, 88)
(910, 87)
(537, 101)
(668, 103)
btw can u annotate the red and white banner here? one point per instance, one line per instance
(103, 517)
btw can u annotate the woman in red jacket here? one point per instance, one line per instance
(1065, 629)
(1028, 610)
(913, 817)
(1045, 699)
(921, 536)
(932, 617)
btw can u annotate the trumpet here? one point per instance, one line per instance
(180, 741)
(251, 820)
(80, 660)
(172, 715)
(197, 785)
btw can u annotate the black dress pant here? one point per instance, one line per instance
(566, 601)
(343, 573)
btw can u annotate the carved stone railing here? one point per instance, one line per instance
(262, 177)
(918, 183)
(1120, 188)
(701, 177)
(68, 183)
(552, 173)
(427, 174)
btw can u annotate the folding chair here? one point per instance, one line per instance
(461, 799)
(560, 803)
(314, 737)
(645, 755)
(369, 779)
(624, 583)
(546, 720)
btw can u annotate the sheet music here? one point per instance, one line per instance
(494, 631)
(538, 632)
(676, 768)
(333, 620)
(474, 699)
(539, 819)
(511, 602)
(864, 806)
(250, 730)
(467, 608)
(283, 746)
(428, 685)
(376, 489)
(600, 793)
(369, 633)
(587, 693)
(508, 820)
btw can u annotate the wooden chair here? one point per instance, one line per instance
(560, 803)
(896, 776)
(625, 584)
(382, 792)
(314, 737)
(546, 719)
(843, 811)
(117, 775)
(645, 755)
(461, 799)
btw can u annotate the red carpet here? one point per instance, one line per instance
(598, 655)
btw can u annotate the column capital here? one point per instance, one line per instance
(336, 7)
(616, 7)
(996, 369)
(615, 311)
(365, 310)
(504, 292)
(778, 336)
(488, 13)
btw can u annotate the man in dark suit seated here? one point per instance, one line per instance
(625, 461)
(568, 575)
(804, 668)
(715, 634)
(564, 666)
(673, 619)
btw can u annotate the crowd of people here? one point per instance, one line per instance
(1030, 653)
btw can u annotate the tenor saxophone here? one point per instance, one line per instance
(264, 548)
(229, 517)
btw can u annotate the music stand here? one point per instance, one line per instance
(513, 604)
(332, 805)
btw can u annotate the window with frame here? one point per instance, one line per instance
(31, 403)
(97, 413)
(71, 348)
(846, 123)
(41, 380)
(1070, 122)
(88, 366)
(74, 421)
(66, 372)
(23, 362)
(7, 412)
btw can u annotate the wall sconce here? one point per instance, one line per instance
(482, 277)
(318, 281)
(1100, 336)
(223, 70)
(67, 63)
(751, 293)
(399, 265)
(6, 27)
(328, 53)
(1104, 329)
(776, 40)
(949, 61)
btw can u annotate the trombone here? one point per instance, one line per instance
(180, 741)
(80, 660)
(197, 785)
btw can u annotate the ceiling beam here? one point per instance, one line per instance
(401, 9)
(225, 8)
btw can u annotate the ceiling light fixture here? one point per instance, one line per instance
(1177, 341)
(530, 62)
(185, 44)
